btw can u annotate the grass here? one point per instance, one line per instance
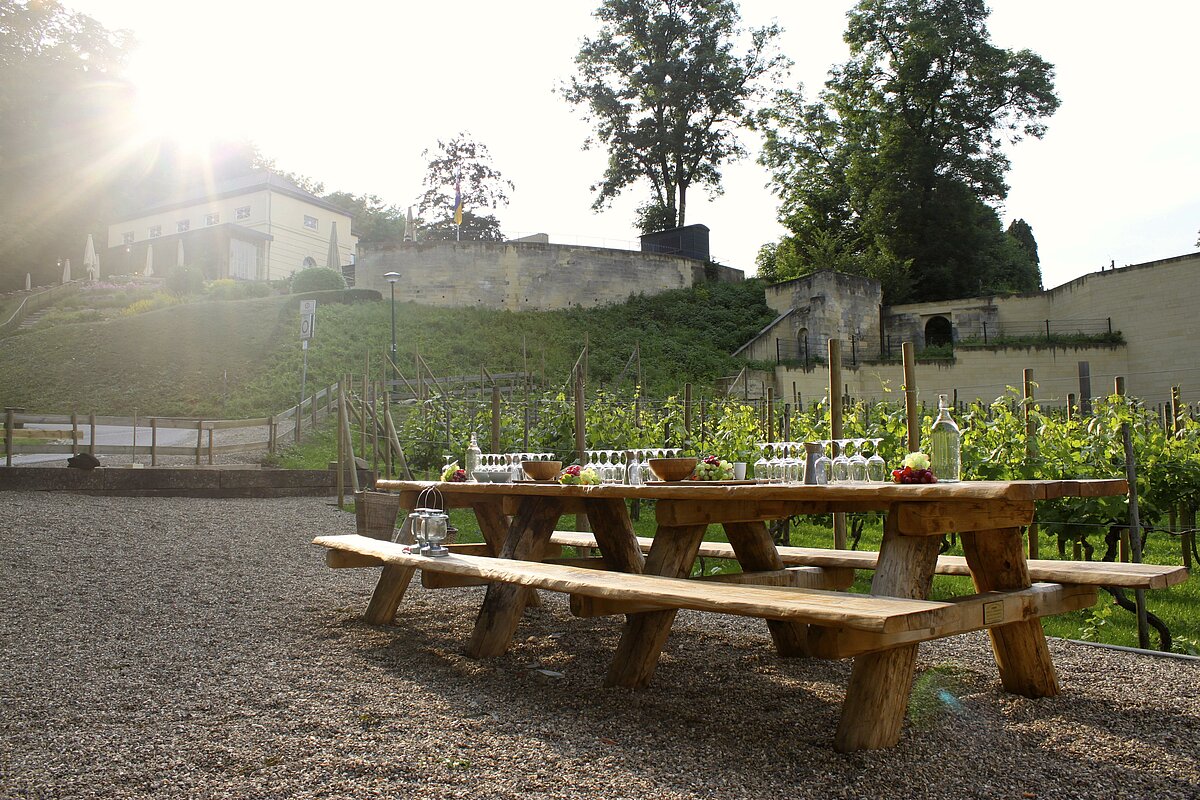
(241, 358)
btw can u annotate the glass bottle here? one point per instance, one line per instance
(945, 445)
(472, 458)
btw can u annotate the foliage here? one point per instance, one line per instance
(231, 289)
(315, 279)
(374, 222)
(184, 281)
(475, 227)
(666, 93)
(64, 117)
(155, 301)
(889, 174)
(467, 164)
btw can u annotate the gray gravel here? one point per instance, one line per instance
(200, 648)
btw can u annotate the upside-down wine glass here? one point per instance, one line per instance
(877, 471)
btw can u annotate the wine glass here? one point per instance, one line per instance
(841, 462)
(858, 463)
(823, 466)
(762, 467)
(877, 471)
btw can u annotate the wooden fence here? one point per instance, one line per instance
(80, 432)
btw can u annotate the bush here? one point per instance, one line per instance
(231, 289)
(185, 280)
(157, 300)
(316, 279)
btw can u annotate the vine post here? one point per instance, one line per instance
(910, 397)
(1031, 450)
(835, 427)
(1135, 523)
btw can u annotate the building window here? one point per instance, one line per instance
(127, 237)
(182, 225)
(212, 219)
(310, 222)
(309, 262)
(242, 212)
(155, 231)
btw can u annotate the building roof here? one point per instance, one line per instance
(243, 184)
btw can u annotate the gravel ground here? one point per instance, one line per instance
(175, 647)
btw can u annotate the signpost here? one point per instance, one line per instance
(308, 324)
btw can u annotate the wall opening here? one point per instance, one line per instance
(938, 332)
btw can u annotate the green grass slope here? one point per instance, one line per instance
(242, 358)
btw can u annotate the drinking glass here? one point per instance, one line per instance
(858, 463)
(841, 462)
(877, 471)
(762, 467)
(823, 466)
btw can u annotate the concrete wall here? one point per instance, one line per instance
(1156, 306)
(525, 276)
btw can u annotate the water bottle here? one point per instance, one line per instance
(472, 459)
(945, 445)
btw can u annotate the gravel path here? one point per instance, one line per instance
(171, 647)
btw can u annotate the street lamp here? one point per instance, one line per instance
(392, 277)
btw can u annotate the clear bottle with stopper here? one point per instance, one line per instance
(472, 458)
(945, 444)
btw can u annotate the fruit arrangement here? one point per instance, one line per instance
(452, 474)
(711, 468)
(914, 470)
(576, 475)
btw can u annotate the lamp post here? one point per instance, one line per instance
(392, 277)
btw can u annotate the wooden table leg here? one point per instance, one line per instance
(880, 683)
(997, 562)
(610, 524)
(755, 550)
(494, 524)
(530, 530)
(393, 583)
(672, 554)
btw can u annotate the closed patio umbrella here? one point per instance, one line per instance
(90, 262)
(410, 233)
(66, 270)
(149, 270)
(334, 259)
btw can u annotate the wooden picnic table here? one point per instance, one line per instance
(879, 631)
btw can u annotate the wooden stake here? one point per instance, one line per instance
(1135, 522)
(835, 427)
(910, 397)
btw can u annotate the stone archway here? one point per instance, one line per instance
(938, 332)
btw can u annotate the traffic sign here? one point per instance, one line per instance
(308, 319)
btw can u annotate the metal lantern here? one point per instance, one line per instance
(430, 523)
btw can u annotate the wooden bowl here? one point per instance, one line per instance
(672, 469)
(542, 470)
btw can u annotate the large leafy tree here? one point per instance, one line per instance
(63, 141)
(464, 162)
(666, 92)
(893, 170)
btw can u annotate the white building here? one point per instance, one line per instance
(256, 227)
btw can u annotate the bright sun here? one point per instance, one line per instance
(183, 105)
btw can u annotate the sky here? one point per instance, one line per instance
(351, 94)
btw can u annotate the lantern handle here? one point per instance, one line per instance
(434, 495)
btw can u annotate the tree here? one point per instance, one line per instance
(466, 163)
(64, 111)
(374, 222)
(667, 93)
(899, 159)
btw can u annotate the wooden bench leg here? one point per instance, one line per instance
(672, 554)
(755, 551)
(393, 580)
(997, 562)
(880, 683)
(502, 606)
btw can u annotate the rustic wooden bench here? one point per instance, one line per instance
(1087, 573)
(844, 623)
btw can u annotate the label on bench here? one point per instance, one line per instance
(993, 612)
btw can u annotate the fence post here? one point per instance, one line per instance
(271, 435)
(1176, 399)
(74, 434)
(581, 520)
(154, 441)
(199, 439)
(211, 431)
(495, 419)
(92, 438)
(687, 408)
(8, 436)
(1031, 449)
(770, 412)
(340, 479)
